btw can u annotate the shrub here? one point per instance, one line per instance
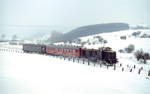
(123, 37)
(140, 55)
(121, 51)
(130, 48)
(136, 34)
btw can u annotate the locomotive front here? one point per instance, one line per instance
(109, 56)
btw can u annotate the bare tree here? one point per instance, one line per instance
(14, 37)
(3, 37)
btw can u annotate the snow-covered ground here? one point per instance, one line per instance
(116, 43)
(22, 73)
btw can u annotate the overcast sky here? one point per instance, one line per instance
(73, 12)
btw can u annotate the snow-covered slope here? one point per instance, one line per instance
(116, 43)
(38, 74)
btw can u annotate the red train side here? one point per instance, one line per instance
(63, 50)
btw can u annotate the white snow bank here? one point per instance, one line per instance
(37, 74)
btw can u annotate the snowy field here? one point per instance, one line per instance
(22, 73)
(116, 43)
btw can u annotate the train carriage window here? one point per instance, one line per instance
(71, 50)
(66, 50)
(74, 51)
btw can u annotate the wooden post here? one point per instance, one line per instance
(114, 66)
(107, 66)
(73, 59)
(100, 65)
(130, 70)
(127, 66)
(134, 66)
(88, 62)
(149, 73)
(83, 61)
(139, 71)
(120, 65)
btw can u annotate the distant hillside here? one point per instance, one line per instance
(94, 29)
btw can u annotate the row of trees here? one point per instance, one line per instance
(137, 34)
(3, 37)
(93, 41)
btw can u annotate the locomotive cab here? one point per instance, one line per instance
(109, 56)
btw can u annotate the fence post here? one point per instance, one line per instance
(83, 61)
(149, 73)
(107, 66)
(88, 62)
(130, 70)
(114, 66)
(139, 71)
(73, 59)
(100, 65)
(120, 65)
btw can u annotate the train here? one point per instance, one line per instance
(104, 54)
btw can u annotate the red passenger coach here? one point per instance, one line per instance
(63, 50)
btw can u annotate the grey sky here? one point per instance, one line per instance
(73, 12)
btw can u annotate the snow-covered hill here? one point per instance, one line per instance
(38, 74)
(114, 40)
